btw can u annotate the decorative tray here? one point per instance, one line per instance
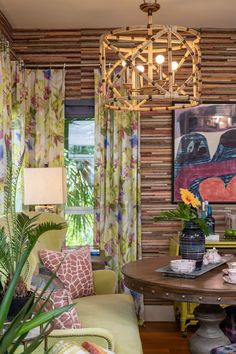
(167, 271)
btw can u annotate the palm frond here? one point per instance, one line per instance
(38, 230)
(5, 254)
(20, 237)
(10, 201)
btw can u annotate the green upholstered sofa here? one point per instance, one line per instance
(108, 319)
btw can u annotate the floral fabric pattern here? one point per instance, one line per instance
(5, 115)
(117, 184)
(31, 118)
(39, 97)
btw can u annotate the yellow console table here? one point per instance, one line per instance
(184, 310)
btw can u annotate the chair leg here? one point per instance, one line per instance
(183, 316)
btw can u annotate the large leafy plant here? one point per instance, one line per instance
(187, 210)
(18, 237)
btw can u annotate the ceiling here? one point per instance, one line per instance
(55, 14)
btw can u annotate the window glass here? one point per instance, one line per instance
(79, 162)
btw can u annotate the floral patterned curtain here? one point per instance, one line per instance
(5, 113)
(117, 184)
(18, 123)
(38, 105)
(38, 113)
(31, 117)
(43, 95)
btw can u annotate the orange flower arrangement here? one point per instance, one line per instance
(187, 211)
(189, 199)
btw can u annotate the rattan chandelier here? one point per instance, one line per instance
(152, 67)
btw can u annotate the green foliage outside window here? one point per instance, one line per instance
(79, 193)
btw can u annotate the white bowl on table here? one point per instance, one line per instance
(183, 265)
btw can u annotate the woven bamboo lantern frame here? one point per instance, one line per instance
(157, 86)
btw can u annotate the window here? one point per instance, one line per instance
(79, 162)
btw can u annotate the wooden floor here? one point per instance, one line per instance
(163, 338)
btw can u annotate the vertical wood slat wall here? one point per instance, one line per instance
(219, 84)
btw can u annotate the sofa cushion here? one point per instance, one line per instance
(71, 348)
(67, 348)
(115, 313)
(74, 269)
(93, 348)
(57, 299)
(68, 319)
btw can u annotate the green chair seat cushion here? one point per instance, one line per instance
(116, 313)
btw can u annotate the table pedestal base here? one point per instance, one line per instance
(209, 335)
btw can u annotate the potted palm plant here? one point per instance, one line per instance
(18, 236)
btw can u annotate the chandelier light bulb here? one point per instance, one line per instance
(140, 68)
(123, 63)
(174, 65)
(160, 59)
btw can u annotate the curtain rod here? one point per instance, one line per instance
(65, 65)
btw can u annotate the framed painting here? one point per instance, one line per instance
(204, 152)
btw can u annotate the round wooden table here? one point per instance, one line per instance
(208, 290)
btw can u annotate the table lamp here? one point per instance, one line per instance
(45, 188)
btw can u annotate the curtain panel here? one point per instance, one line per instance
(31, 117)
(5, 115)
(117, 184)
(38, 115)
(39, 102)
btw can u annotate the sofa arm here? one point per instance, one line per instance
(98, 336)
(104, 281)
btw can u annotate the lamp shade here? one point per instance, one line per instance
(44, 186)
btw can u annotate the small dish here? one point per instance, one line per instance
(232, 265)
(227, 280)
(225, 271)
(182, 266)
(213, 256)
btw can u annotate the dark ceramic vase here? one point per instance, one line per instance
(192, 243)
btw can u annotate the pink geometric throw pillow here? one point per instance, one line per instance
(74, 269)
(58, 299)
